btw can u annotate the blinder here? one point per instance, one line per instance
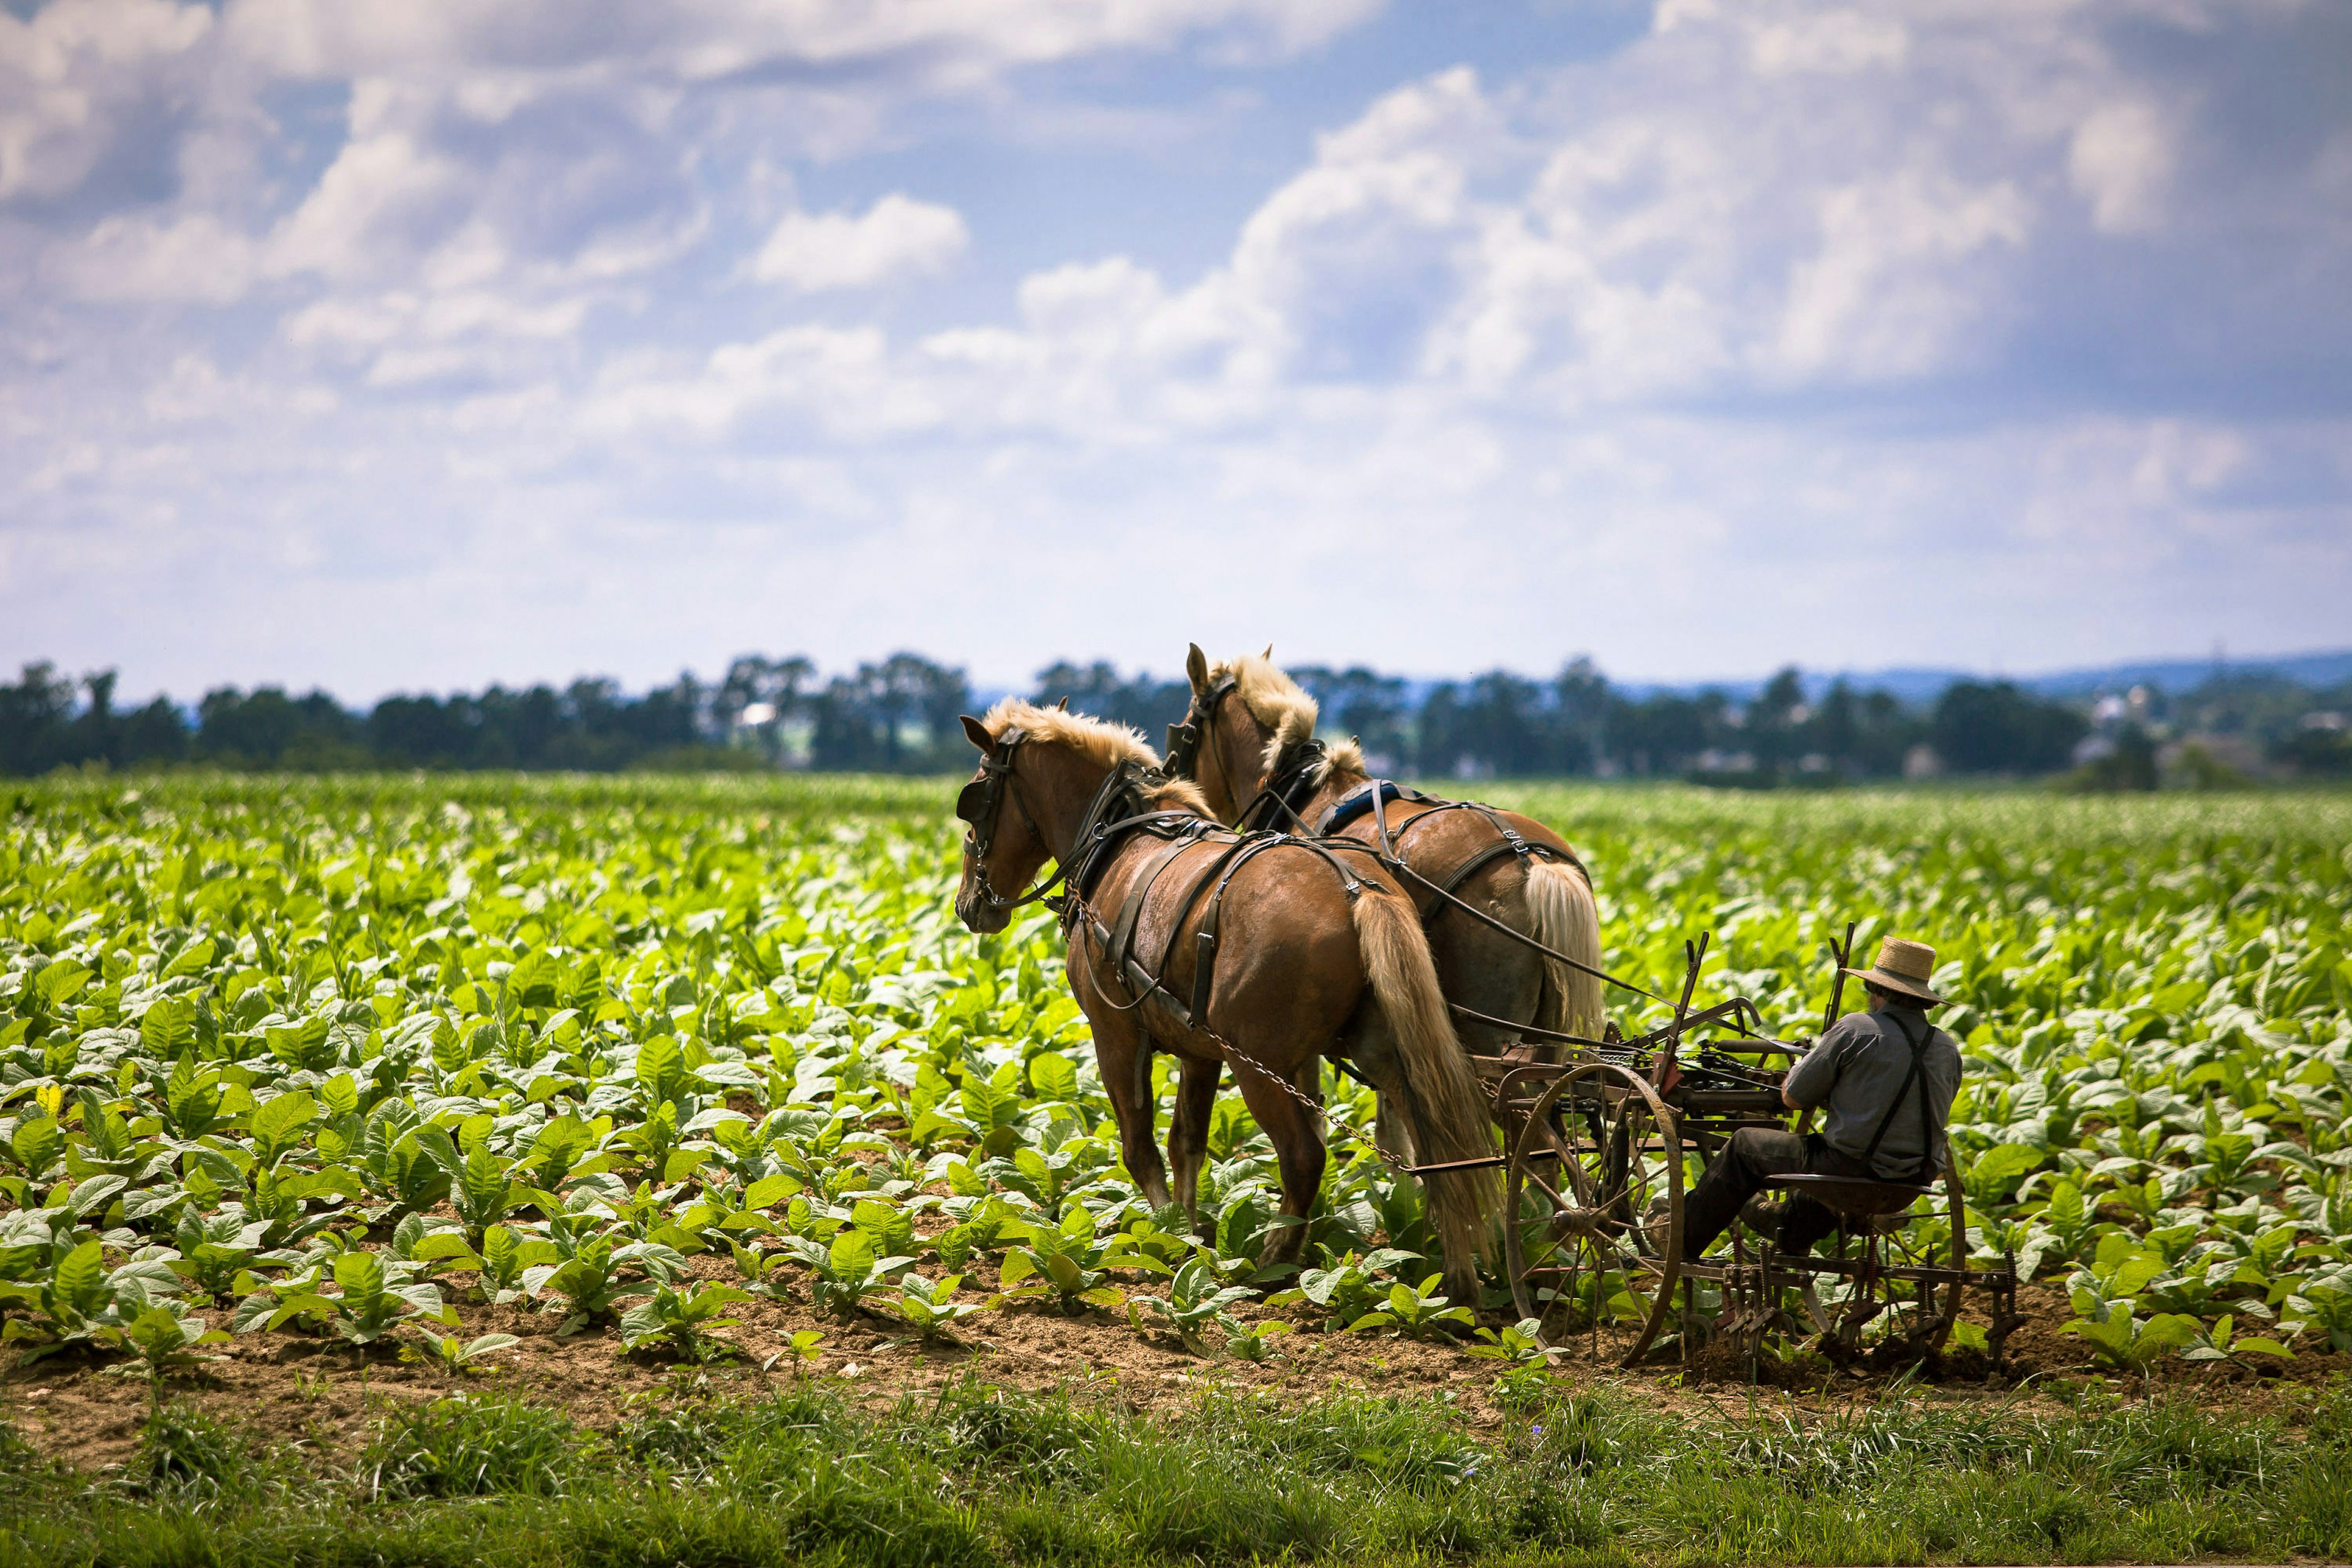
(1184, 739)
(980, 802)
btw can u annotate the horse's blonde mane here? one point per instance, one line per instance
(1339, 757)
(1097, 740)
(1278, 703)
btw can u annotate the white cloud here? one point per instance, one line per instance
(2119, 160)
(897, 237)
(78, 79)
(1739, 314)
(386, 197)
(1879, 299)
(196, 257)
(950, 41)
(1836, 42)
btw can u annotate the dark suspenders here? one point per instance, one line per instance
(1916, 1074)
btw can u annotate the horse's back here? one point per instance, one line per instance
(1285, 957)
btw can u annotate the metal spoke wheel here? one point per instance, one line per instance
(1593, 1190)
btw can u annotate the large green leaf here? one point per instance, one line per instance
(279, 1124)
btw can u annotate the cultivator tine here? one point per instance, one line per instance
(1662, 1069)
(1841, 959)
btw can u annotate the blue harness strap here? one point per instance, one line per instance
(1356, 803)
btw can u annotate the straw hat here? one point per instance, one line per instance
(1905, 966)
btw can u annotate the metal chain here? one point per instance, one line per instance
(1073, 907)
(1234, 1053)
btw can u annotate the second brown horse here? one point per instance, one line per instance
(1250, 737)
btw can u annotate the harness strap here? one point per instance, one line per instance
(1117, 945)
(1915, 1073)
(1285, 791)
(1204, 935)
(1122, 946)
(1131, 909)
(1183, 750)
(1514, 841)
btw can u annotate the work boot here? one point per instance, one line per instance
(1763, 1215)
(1654, 1222)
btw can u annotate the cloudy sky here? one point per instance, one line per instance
(419, 345)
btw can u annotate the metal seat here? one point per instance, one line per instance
(1856, 1197)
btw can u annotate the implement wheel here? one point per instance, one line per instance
(1941, 1331)
(1594, 1191)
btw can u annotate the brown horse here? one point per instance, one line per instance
(1263, 955)
(1254, 750)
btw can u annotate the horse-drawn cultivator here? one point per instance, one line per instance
(1602, 1143)
(1259, 903)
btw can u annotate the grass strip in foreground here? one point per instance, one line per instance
(979, 1475)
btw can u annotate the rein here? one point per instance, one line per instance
(1293, 784)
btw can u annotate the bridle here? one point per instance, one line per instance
(980, 802)
(1272, 803)
(1200, 721)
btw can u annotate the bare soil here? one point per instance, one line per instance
(327, 1397)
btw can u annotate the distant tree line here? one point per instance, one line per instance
(897, 715)
(1506, 725)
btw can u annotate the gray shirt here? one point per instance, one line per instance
(1858, 1068)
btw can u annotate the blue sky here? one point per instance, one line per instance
(416, 347)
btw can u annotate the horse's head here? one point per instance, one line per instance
(1205, 749)
(1002, 846)
(1251, 720)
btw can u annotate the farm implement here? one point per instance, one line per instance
(1601, 1144)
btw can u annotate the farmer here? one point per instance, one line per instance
(1886, 1079)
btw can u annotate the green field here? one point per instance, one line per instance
(338, 1059)
(503, 1028)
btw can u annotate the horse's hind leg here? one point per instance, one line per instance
(1298, 1155)
(1372, 1048)
(1374, 1055)
(1187, 1130)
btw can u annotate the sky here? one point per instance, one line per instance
(416, 347)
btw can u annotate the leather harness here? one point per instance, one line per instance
(1115, 816)
(1298, 774)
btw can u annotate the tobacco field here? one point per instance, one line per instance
(333, 1059)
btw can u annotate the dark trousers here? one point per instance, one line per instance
(1737, 1174)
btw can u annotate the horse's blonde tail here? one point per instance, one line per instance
(1565, 919)
(1447, 1110)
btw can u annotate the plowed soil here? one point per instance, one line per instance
(285, 1388)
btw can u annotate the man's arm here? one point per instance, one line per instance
(1808, 1083)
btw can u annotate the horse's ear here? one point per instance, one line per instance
(1196, 667)
(977, 733)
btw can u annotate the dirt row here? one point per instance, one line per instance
(288, 1388)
